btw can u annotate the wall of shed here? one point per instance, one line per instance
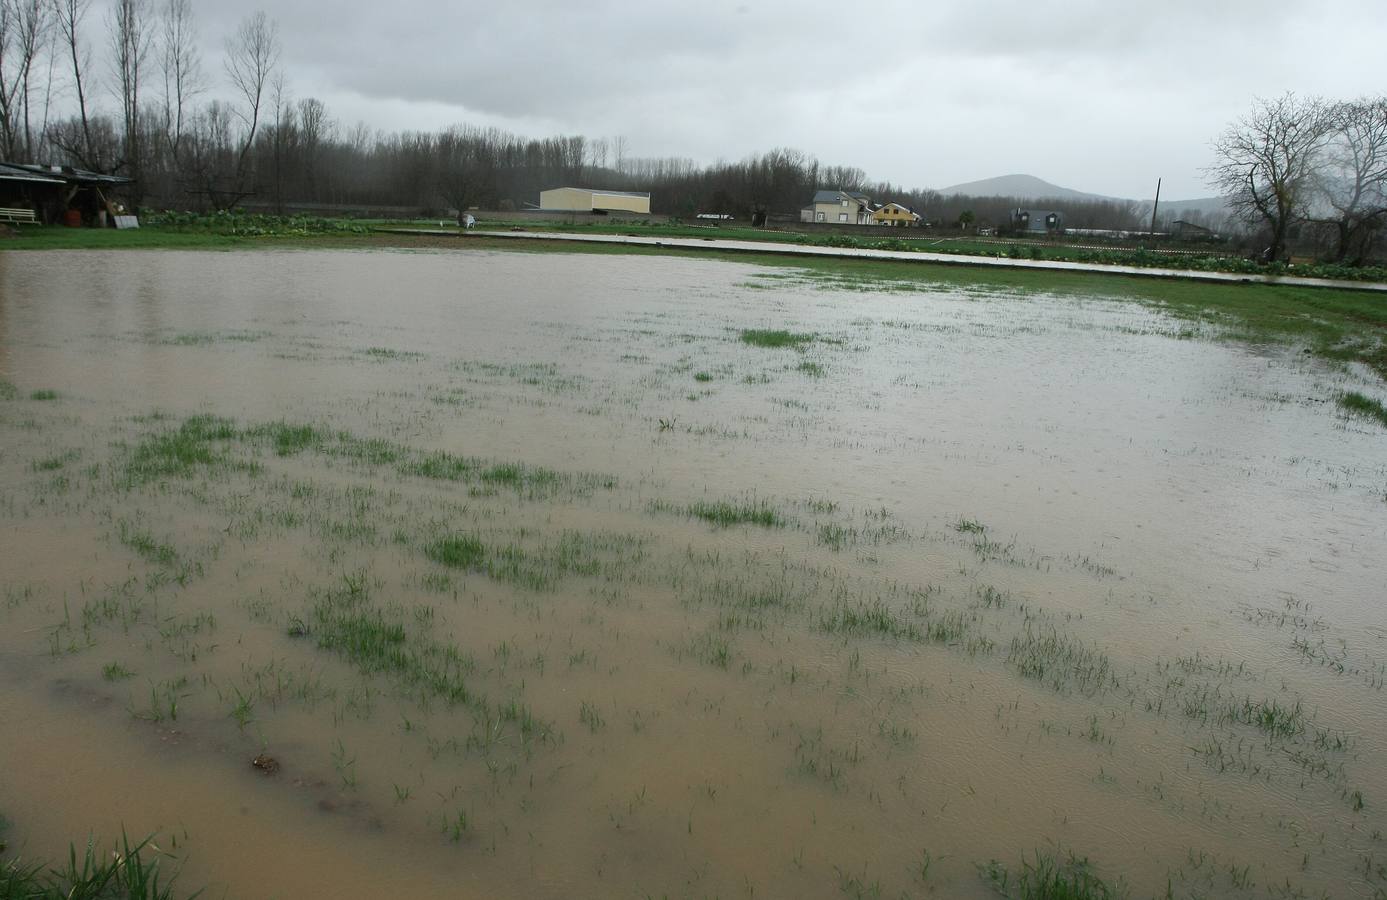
(624, 204)
(566, 199)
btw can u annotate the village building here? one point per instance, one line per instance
(838, 207)
(896, 215)
(1037, 221)
(571, 199)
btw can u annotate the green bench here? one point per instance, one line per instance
(18, 216)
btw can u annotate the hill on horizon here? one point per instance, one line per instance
(1029, 187)
(1024, 187)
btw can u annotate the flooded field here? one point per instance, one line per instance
(555, 575)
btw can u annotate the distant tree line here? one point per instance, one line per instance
(1310, 170)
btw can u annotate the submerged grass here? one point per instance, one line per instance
(198, 444)
(345, 620)
(207, 444)
(758, 337)
(726, 513)
(145, 544)
(462, 551)
(1050, 877)
(541, 567)
(1335, 324)
(1363, 406)
(1061, 661)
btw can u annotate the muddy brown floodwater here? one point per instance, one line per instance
(549, 575)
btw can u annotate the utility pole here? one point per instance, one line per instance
(1155, 206)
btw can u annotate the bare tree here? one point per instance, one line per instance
(70, 14)
(251, 57)
(282, 134)
(467, 162)
(130, 38)
(34, 29)
(50, 76)
(9, 80)
(619, 151)
(208, 155)
(23, 32)
(182, 70)
(359, 138)
(1266, 161)
(314, 128)
(1351, 184)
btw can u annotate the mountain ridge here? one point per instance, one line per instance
(1029, 187)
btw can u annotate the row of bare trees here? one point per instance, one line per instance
(52, 94)
(1311, 168)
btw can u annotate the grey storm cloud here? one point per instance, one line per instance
(1100, 96)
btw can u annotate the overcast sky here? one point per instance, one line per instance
(1097, 95)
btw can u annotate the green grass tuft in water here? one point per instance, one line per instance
(775, 338)
(1362, 405)
(458, 551)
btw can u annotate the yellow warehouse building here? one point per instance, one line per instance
(570, 199)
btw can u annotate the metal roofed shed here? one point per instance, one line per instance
(60, 193)
(571, 199)
(26, 174)
(25, 195)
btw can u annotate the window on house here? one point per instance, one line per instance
(819, 217)
(844, 202)
(842, 217)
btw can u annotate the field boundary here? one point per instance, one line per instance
(768, 247)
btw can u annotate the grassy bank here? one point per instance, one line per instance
(888, 238)
(1333, 324)
(1059, 249)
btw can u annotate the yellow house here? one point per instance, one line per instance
(570, 199)
(895, 214)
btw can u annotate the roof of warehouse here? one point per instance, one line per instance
(644, 195)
